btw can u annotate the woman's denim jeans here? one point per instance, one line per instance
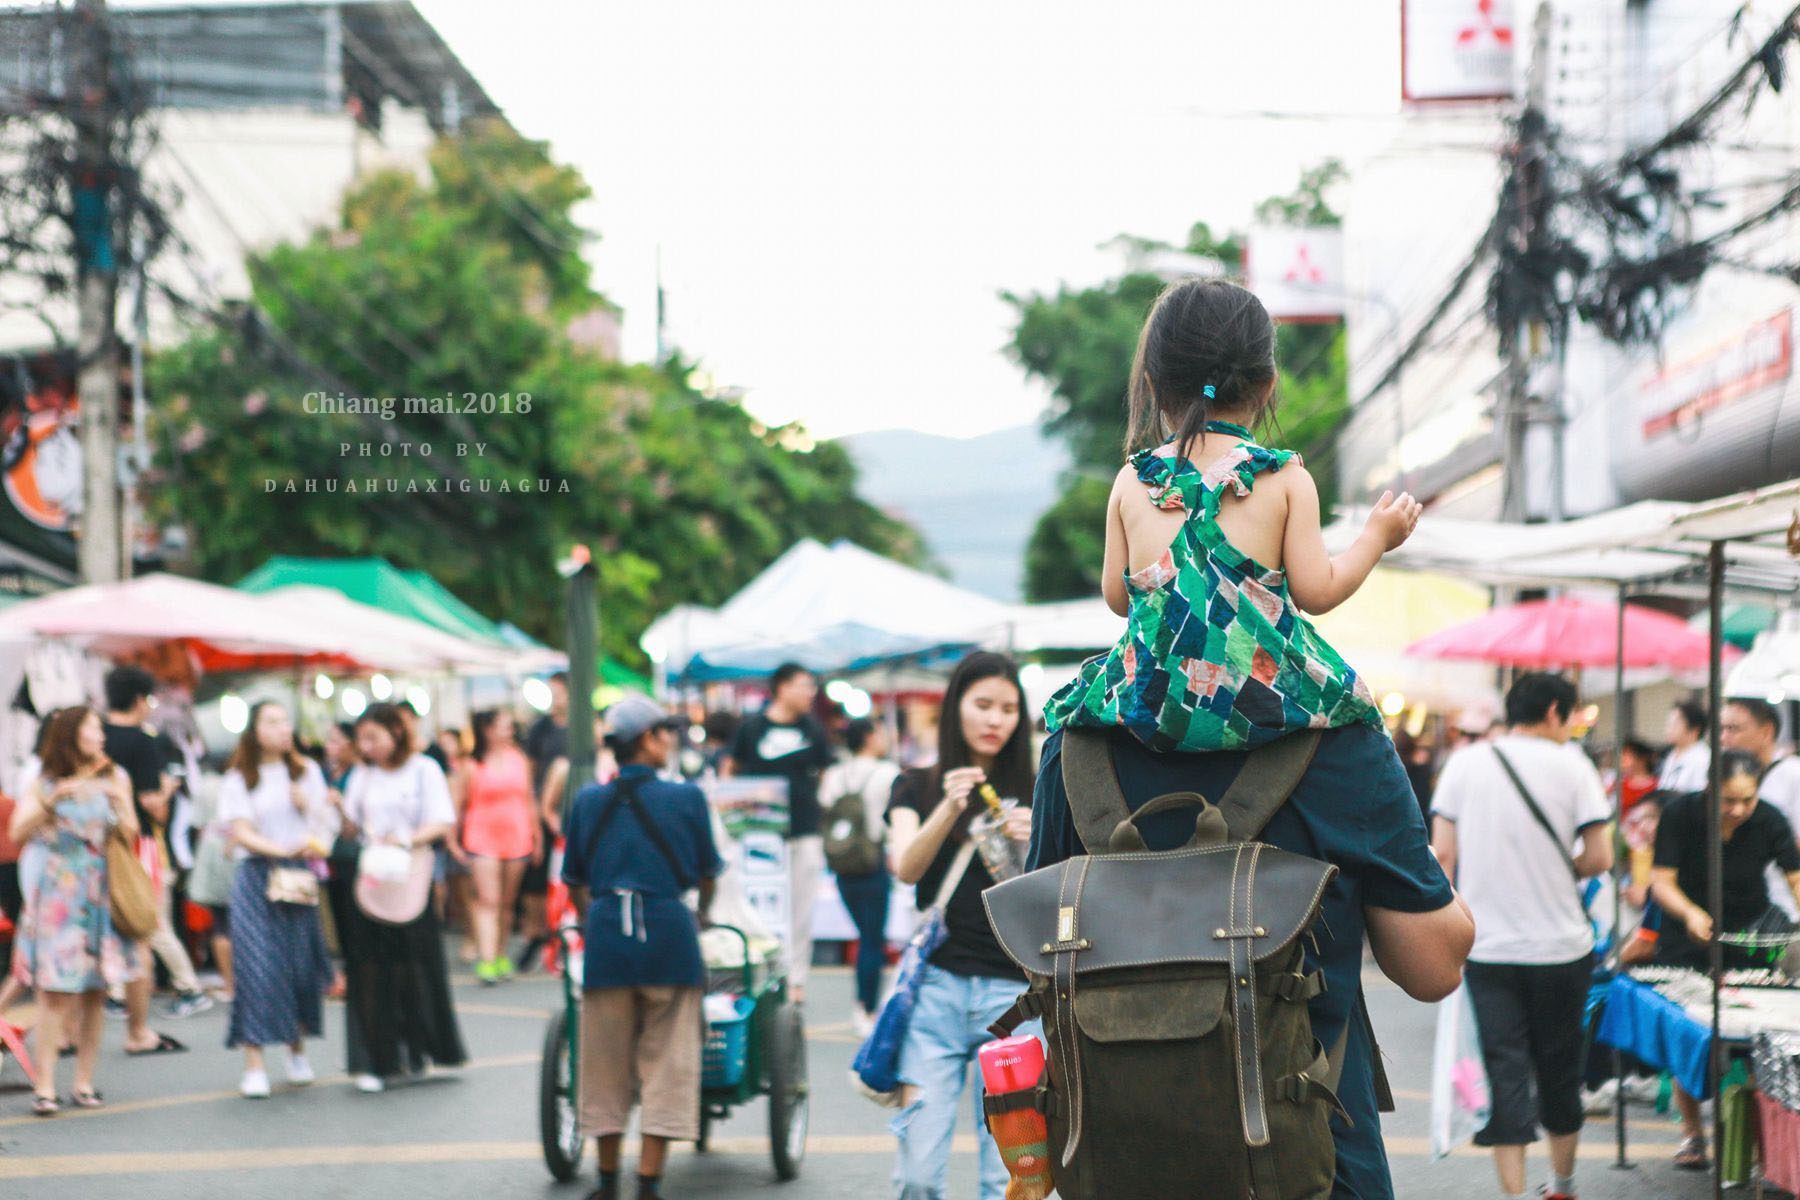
(949, 1024)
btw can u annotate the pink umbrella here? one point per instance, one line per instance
(1571, 632)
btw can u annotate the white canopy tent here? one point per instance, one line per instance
(813, 589)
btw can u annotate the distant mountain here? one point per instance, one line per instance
(975, 500)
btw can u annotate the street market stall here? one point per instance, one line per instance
(1745, 546)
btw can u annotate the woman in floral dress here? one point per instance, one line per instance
(66, 948)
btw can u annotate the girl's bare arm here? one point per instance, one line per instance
(1118, 553)
(1317, 581)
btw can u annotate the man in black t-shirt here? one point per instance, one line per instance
(785, 741)
(1755, 834)
(129, 744)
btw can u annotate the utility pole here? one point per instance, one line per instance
(1521, 343)
(103, 558)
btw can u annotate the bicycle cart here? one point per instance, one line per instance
(754, 1047)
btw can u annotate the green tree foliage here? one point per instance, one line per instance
(463, 286)
(1081, 342)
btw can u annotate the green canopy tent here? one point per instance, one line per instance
(415, 594)
(1742, 622)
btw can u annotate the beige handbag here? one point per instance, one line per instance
(293, 885)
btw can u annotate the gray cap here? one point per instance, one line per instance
(631, 718)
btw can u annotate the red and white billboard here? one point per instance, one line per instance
(1298, 274)
(1457, 49)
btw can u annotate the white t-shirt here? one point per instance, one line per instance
(1686, 770)
(269, 806)
(1781, 788)
(1524, 899)
(385, 803)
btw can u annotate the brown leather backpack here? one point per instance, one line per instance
(1173, 990)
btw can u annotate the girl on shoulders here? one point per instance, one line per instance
(1214, 549)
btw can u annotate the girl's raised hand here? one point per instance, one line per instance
(1393, 519)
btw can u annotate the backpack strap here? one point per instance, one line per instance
(1096, 802)
(1268, 778)
(626, 792)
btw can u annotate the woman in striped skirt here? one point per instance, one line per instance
(274, 802)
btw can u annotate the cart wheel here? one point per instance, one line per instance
(788, 1091)
(558, 1126)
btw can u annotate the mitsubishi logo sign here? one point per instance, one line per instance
(1457, 50)
(1298, 274)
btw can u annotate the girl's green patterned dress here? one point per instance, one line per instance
(1215, 654)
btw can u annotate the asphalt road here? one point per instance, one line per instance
(175, 1129)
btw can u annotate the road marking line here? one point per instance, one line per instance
(437, 1153)
(185, 1098)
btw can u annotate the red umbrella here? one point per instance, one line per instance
(1571, 632)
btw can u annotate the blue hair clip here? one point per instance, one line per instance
(1208, 392)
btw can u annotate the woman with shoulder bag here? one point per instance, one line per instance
(399, 1016)
(273, 801)
(968, 982)
(66, 948)
(854, 797)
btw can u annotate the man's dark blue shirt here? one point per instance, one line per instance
(1354, 809)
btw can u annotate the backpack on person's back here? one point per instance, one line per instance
(1174, 994)
(851, 850)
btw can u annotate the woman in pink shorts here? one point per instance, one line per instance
(499, 832)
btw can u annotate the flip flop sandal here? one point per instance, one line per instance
(88, 1098)
(45, 1106)
(164, 1045)
(1691, 1155)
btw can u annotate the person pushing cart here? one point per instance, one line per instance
(635, 846)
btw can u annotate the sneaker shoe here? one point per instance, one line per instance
(1599, 1101)
(503, 967)
(188, 1004)
(862, 1024)
(1643, 1089)
(254, 1085)
(299, 1071)
(370, 1083)
(488, 973)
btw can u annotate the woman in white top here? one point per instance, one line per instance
(399, 1014)
(868, 778)
(1688, 766)
(273, 801)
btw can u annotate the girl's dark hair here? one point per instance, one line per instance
(482, 725)
(246, 759)
(1201, 333)
(388, 717)
(1012, 774)
(61, 744)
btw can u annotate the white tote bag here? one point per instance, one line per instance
(1459, 1083)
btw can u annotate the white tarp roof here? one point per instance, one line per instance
(1654, 543)
(813, 588)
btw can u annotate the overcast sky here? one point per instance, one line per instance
(840, 189)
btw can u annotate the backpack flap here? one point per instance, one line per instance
(1136, 910)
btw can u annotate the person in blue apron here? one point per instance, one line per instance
(635, 847)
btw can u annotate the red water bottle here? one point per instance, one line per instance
(1010, 1065)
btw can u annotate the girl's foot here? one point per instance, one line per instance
(254, 1085)
(370, 1083)
(1691, 1155)
(87, 1097)
(44, 1106)
(299, 1071)
(503, 967)
(488, 972)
